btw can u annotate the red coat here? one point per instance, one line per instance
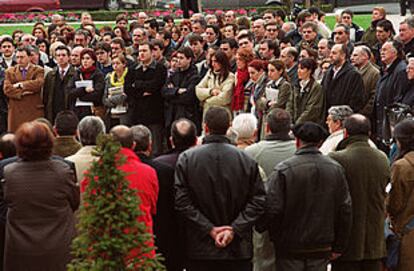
(142, 178)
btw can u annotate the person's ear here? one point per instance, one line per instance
(346, 135)
(134, 144)
(267, 128)
(206, 129)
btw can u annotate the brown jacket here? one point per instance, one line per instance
(25, 104)
(401, 206)
(370, 75)
(41, 197)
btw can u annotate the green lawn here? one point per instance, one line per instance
(28, 28)
(361, 20)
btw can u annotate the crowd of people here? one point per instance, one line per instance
(254, 143)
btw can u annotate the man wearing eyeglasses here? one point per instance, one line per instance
(272, 30)
(309, 36)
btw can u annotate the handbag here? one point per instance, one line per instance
(394, 244)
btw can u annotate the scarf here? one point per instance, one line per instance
(118, 82)
(87, 73)
(237, 102)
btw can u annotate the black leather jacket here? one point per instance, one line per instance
(217, 184)
(308, 207)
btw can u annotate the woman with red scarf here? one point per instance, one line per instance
(240, 100)
(87, 87)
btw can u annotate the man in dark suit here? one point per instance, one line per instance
(166, 227)
(54, 95)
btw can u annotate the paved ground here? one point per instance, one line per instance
(391, 8)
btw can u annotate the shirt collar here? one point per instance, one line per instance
(152, 65)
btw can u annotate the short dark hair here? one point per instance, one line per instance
(63, 47)
(217, 120)
(158, 43)
(7, 39)
(357, 124)
(153, 24)
(386, 25)
(308, 63)
(103, 46)
(24, 49)
(272, 46)
(7, 147)
(279, 120)
(347, 11)
(150, 45)
(119, 41)
(194, 38)
(186, 51)
(66, 123)
(231, 42)
(183, 134)
(123, 135)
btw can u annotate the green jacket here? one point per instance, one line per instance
(367, 172)
(307, 104)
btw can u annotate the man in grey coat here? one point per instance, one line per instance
(275, 148)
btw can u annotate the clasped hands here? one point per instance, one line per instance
(222, 235)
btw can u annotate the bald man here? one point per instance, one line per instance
(141, 177)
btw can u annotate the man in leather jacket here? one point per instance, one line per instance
(220, 195)
(308, 205)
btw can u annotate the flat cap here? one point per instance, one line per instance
(310, 132)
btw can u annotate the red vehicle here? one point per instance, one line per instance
(28, 5)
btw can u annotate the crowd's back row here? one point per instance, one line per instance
(152, 73)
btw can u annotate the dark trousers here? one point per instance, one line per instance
(301, 265)
(219, 265)
(157, 133)
(187, 5)
(365, 265)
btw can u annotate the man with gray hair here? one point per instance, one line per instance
(336, 116)
(245, 127)
(370, 75)
(89, 128)
(276, 147)
(165, 221)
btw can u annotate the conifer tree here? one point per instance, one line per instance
(108, 229)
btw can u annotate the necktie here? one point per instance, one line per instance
(24, 72)
(62, 74)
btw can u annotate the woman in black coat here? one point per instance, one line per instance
(41, 196)
(85, 90)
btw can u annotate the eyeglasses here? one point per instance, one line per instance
(137, 35)
(308, 32)
(185, 29)
(338, 33)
